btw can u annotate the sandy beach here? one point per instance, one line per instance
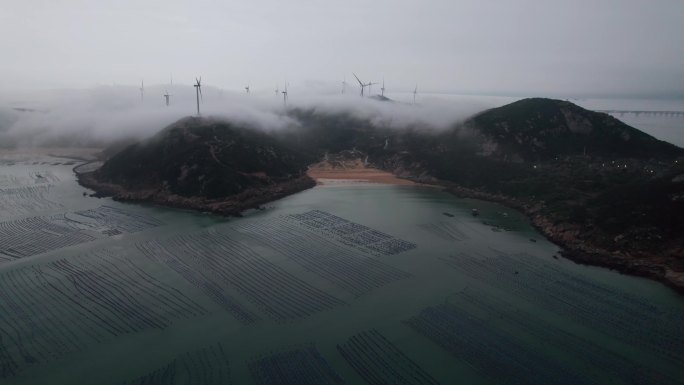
(351, 172)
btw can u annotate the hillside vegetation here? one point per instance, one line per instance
(212, 159)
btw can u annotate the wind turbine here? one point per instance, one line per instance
(415, 91)
(277, 91)
(247, 88)
(344, 84)
(142, 91)
(198, 92)
(167, 96)
(360, 83)
(285, 95)
(383, 87)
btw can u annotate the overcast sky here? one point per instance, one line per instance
(532, 47)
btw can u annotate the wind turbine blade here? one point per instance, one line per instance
(357, 79)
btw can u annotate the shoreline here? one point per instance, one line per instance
(563, 235)
(576, 250)
(232, 205)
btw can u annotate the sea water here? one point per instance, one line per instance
(342, 283)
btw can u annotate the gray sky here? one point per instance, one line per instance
(530, 47)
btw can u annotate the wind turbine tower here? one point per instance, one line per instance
(344, 84)
(167, 96)
(198, 92)
(415, 91)
(285, 95)
(142, 91)
(383, 87)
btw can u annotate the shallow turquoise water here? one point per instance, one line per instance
(464, 299)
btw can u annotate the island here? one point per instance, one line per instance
(606, 193)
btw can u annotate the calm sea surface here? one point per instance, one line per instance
(347, 284)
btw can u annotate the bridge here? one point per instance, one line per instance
(647, 113)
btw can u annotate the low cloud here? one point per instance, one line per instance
(97, 116)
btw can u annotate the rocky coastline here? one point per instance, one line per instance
(233, 205)
(576, 247)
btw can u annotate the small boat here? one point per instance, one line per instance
(448, 214)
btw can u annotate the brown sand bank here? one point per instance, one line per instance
(352, 171)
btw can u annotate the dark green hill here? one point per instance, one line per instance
(205, 158)
(542, 129)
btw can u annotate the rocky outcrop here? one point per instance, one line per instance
(232, 205)
(577, 245)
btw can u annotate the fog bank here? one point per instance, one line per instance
(98, 116)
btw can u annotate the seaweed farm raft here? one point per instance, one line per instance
(352, 233)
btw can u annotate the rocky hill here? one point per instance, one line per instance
(543, 129)
(210, 164)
